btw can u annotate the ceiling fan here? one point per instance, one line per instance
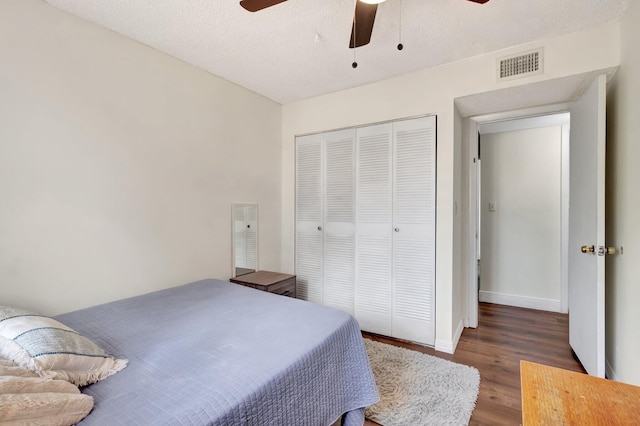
(363, 19)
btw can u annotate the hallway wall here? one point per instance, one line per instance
(520, 235)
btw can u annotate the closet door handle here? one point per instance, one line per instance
(397, 229)
(319, 228)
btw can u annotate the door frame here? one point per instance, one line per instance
(473, 202)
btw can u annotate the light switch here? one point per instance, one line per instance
(492, 206)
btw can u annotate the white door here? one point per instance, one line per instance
(373, 298)
(339, 219)
(586, 228)
(309, 235)
(414, 214)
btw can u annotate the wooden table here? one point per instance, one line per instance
(553, 396)
(272, 282)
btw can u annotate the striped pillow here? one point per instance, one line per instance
(52, 349)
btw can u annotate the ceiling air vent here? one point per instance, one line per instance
(522, 65)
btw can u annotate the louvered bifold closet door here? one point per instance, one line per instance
(309, 201)
(373, 297)
(339, 219)
(414, 200)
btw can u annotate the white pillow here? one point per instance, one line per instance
(44, 409)
(17, 384)
(52, 349)
(28, 400)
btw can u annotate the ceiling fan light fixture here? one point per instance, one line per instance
(372, 1)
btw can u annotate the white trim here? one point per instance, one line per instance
(450, 346)
(549, 120)
(472, 295)
(564, 227)
(458, 334)
(522, 113)
(520, 301)
(444, 346)
(610, 373)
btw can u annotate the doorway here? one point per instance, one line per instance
(522, 210)
(586, 242)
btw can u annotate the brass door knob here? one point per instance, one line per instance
(587, 249)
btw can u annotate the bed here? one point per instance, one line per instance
(216, 353)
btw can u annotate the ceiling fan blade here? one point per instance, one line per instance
(364, 17)
(256, 5)
(479, 1)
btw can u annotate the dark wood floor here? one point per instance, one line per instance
(505, 336)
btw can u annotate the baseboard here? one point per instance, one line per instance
(458, 334)
(444, 346)
(520, 301)
(609, 372)
(450, 346)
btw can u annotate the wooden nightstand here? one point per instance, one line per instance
(272, 282)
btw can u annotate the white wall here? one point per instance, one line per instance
(623, 204)
(521, 239)
(432, 91)
(119, 164)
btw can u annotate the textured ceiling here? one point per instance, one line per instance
(299, 49)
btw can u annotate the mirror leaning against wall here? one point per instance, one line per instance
(244, 217)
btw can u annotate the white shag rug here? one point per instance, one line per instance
(419, 389)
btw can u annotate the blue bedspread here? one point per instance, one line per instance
(216, 353)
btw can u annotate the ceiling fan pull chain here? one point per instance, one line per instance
(354, 65)
(400, 46)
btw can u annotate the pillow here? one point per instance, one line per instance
(17, 384)
(52, 349)
(37, 401)
(25, 399)
(44, 409)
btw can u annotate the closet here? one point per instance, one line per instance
(365, 224)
